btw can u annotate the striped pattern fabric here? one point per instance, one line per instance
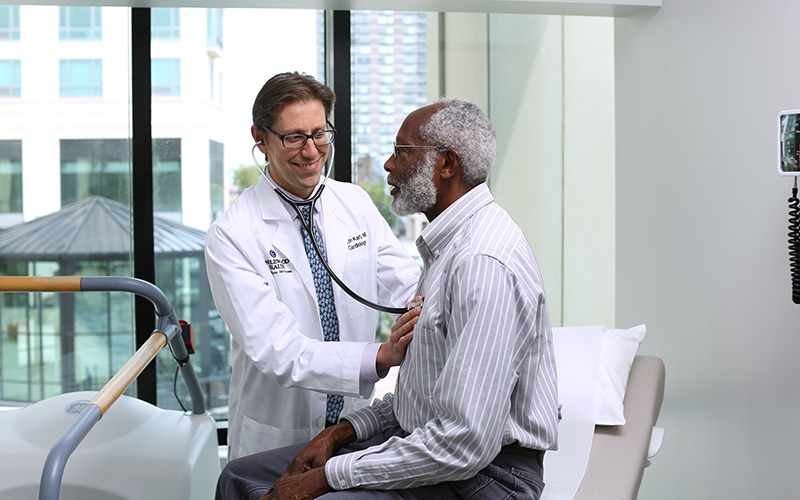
(480, 372)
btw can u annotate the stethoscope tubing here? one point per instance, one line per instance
(309, 227)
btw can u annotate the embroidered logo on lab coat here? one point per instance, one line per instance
(359, 240)
(277, 266)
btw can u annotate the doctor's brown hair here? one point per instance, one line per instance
(287, 88)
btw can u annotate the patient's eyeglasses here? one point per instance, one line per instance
(397, 147)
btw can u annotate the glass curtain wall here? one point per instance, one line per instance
(203, 92)
(66, 73)
(389, 79)
(64, 160)
(64, 87)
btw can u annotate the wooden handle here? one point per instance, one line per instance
(40, 283)
(129, 371)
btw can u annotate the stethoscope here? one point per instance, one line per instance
(309, 227)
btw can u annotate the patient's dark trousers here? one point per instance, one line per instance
(514, 474)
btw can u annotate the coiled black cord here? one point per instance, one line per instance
(794, 243)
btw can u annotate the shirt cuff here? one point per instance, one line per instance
(339, 471)
(368, 375)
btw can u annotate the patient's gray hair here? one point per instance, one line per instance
(461, 125)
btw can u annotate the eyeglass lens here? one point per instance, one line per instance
(299, 140)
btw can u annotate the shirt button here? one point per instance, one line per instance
(342, 483)
(321, 423)
(430, 261)
(385, 475)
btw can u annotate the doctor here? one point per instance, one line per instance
(291, 376)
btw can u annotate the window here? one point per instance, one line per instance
(214, 28)
(195, 126)
(165, 23)
(94, 167)
(9, 79)
(9, 22)
(79, 23)
(90, 157)
(10, 176)
(167, 175)
(81, 78)
(166, 77)
(216, 180)
(372, 145)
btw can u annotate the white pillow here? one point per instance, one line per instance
(616, 357)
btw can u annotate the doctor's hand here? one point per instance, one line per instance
(321, 448)
(392, 352)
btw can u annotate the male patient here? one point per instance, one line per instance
(475, 405)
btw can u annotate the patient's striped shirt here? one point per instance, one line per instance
(480, 372)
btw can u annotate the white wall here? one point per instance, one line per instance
(702, 253)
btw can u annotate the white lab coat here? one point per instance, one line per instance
(262, 286)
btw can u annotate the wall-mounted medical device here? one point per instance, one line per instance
(788, 141)
(789, 164)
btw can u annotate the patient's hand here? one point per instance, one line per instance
(392, 352)
(314, 455)
(320, 449)
(304, 486)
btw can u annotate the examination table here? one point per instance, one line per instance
(620, 453)
(610, 399)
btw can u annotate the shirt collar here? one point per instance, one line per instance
(440, 231)
(293, 197)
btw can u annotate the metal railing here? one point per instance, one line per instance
(168, 330)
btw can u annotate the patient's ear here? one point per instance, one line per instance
(450, 164)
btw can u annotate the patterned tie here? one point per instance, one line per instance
(327, 309)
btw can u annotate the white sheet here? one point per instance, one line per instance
(577, 351)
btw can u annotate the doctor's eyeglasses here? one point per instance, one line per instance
(297, 141)
(398, 147)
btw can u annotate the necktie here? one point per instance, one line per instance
(327, 309)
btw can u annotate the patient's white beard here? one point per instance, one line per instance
(417, 191)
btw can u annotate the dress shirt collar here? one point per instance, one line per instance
(436, 235)
(292, 213)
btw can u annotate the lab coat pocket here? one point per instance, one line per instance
(257, 437)
(359, 277)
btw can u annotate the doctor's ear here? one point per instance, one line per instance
(256, 133)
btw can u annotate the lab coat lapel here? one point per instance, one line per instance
(287, 239)
(336, 232)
